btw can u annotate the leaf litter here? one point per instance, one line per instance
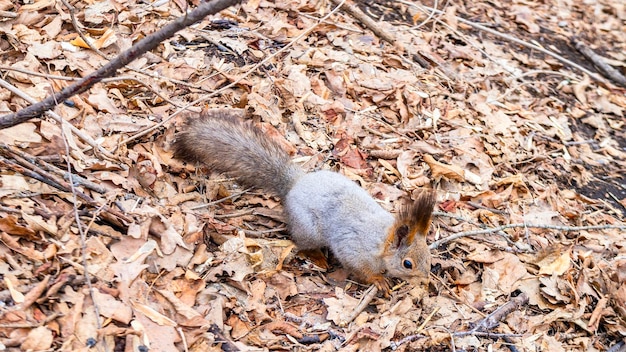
(136, 249)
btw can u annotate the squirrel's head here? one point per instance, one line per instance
(406, 254)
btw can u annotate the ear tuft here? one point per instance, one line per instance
(417, 215)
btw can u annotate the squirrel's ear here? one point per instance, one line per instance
(416, 216)
(400, 235)
(413, 219)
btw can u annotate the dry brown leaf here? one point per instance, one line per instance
(46, 51)
(153, 315)
(19, 134)
(99, 100)
(14, 245)
(181, 308)
(439, 170)
(9, 225)
(526, 16)
(38, 339)
(11, 282)
(340, 306)
(37, 223)
(504, 139)
(112, 308)
(558, 266)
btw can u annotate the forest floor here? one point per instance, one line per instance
(488, 102)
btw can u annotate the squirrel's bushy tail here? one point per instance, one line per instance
(224, 142)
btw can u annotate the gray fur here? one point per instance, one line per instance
(326, 209)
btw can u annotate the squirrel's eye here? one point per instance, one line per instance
(408, 264)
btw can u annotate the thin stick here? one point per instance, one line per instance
(493, 319)
(394, 345)
(227, 345)
(607, 69)
(89, 43)
(148, 43)
(367, 22)
(438, 243)
(215, 202)
(39, 174)
(51, 168)
(78, 29)
(365, 301)
(104, 80)
(83, 239)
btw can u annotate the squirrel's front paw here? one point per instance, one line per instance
(382, 283)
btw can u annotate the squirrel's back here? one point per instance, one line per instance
(224, 142)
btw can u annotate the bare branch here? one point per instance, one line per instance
(513, 226)
(604, 67)
(144, 45)
(494, 319)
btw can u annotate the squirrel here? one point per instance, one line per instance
(322, 208)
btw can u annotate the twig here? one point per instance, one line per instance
(182, 337)
(456, 297)
(368, 22)
(227, 345)
(407, 339)
(6, 151)
(232, 84)
(10, 210)
(430, 16)
(89, 43)
(493, 319)
(48, 319)
(38, 74)
(148, 43)
(493, 335)
(83, 238)
(51, 180)
(78, 30)
(544, 72)
(260, 233)
(438, 243)
(338, 25)
(607, 69)
(394, 345)
(332, 332)
(30, 162)
(618, 347)
(75, 179)
(104, 80)
(221, 200)
(234, 215)
(428, 318)
(480, 206)
(11, 165)
(365, 301)
(471, 42)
